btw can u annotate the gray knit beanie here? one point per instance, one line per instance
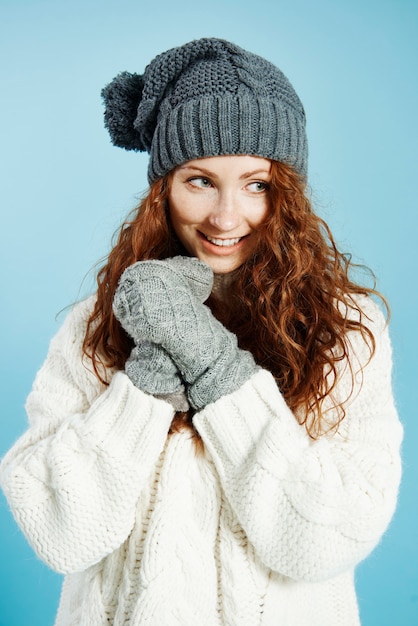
(206, 98)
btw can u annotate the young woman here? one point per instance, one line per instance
(213, 438)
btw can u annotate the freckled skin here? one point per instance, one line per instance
(215, 206)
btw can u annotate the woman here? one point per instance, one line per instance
(213, 438)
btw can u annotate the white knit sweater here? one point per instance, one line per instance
(265, 528)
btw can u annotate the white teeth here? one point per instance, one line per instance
(223, 242)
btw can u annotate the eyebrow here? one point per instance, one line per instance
(209, 174)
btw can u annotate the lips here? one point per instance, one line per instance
(224, 243)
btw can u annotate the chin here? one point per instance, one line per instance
(222, 268)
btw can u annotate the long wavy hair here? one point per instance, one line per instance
(287, 303)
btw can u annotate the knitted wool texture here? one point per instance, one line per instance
(206, 98)
(264, 528)
(162, 302)
(151, 369)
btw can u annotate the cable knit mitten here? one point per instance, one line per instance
(162, 301)
(151, 369)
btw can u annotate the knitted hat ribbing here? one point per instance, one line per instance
(206, 98)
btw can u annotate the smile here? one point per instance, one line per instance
(223, 242)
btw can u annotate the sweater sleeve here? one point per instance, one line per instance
(310, 508)
(73, 479)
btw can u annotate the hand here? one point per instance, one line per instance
(151, 369)
(162, 301)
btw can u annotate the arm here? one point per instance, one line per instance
(74, 478)
(311, 508)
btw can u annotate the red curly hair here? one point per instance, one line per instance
(284, 305)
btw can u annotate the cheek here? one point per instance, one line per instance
(258, 215)
(183, 213)
(182, 223)
(177, 218)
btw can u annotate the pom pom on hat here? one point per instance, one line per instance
(207, 98)
(121, 98)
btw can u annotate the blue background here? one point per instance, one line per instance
(65, 189)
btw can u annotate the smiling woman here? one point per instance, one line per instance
(216, 206)
(213, 438)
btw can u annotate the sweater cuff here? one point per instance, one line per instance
(126, 422)
(254, 421)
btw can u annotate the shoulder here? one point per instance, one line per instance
(364, 309)
(369, 347)
(73, 329)
(66, 377)
(78, 317)
(66, 346)
(368, 312)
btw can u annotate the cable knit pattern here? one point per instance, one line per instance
(161, 301)
(206, 98)
(264, 528)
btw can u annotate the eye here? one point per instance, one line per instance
(258, 186)
(200, 181)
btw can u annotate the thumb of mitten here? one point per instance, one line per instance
(127, 303)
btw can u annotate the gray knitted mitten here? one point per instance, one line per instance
(151, 369)
(162, 301)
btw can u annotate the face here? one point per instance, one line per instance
(216, 205)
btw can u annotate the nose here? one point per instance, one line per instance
(224, 214)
